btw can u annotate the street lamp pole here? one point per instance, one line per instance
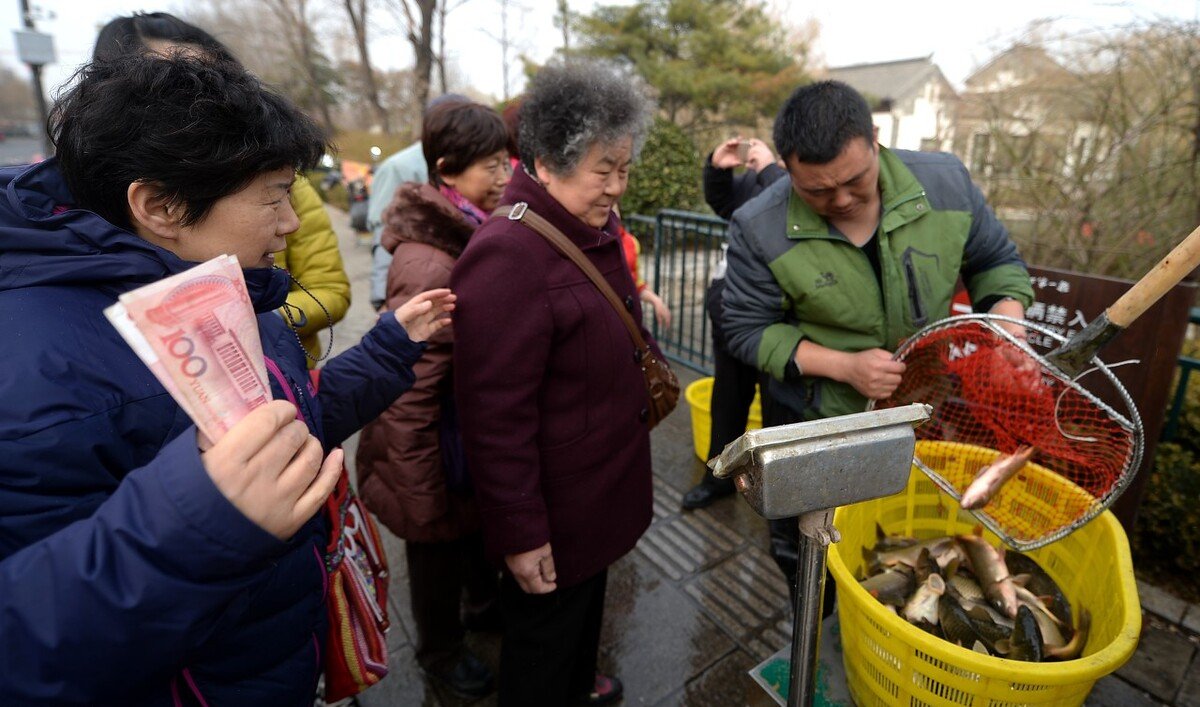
(39, 95)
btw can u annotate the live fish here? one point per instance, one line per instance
(922, 609)
(1047, 622)
(987, 564)
(991, 477)
(891, 587)
(956, 625)
(876, 560)
(1026, 643)
(1075, 647)
(958, 589)
(1040, 584)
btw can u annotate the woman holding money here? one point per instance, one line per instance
(135, 568)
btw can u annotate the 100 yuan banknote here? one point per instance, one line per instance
(198, 334)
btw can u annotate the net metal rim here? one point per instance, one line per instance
(1131, 421)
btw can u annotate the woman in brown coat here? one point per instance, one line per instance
(410, 463)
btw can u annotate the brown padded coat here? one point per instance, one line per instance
(399, 461)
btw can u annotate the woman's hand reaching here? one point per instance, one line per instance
(426, 314)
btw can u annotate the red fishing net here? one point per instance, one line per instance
(990, 397)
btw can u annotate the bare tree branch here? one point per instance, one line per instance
(357, 12)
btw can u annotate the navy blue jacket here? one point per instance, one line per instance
(125, 576)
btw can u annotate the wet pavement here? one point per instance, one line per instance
(699, 602)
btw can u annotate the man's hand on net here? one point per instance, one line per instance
(873, 372)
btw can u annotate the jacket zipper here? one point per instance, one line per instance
(914, 295)
(919, 315)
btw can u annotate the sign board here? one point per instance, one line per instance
(1066, 301)
(33, 47)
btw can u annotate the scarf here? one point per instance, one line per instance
(472, 212)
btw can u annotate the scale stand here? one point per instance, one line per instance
(807, 470)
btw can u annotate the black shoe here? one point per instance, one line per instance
(705, 493)
(489, 620)
(469, 677)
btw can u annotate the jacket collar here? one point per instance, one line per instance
(523, 187)
(902, 196)
(419, 213)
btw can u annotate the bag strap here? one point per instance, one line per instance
(521, 212)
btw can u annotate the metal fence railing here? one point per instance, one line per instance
(687, 248)
(1187, 364)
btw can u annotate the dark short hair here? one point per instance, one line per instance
(199, 130)
(571, 106)
(819, 120)
(459, 133)
(512, 121)
(128, 34)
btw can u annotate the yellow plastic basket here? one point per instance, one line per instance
(891, 662)
(699, 397)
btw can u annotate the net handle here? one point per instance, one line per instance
(1175, 266)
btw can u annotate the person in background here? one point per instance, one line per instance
(410, 467)
(725, 191)
(861, 247)
(407, 165)
(136, 567)
(553, 404)
(633, 249)
(512, 122)
(319, 294)
(734, 382)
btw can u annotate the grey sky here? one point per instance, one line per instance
(960, 35)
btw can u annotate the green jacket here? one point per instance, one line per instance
(313, 258)
(791, 276)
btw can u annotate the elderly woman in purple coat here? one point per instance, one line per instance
(553, 404)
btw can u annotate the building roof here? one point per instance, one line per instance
(891, 81)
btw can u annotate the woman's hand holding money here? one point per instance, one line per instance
(270, 469)
(424, 315)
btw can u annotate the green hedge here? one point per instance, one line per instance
(1166, 540)
(667, 174)
(335, 195)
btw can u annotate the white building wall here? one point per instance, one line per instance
(887, 126)
(909, 124)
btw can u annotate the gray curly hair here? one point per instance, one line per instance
(577, 104)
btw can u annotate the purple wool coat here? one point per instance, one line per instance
(552, 404)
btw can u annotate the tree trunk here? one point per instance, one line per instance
(300, 40)
(564, 15)
(310, 68)
(357, 10)
(441, 53)
(420, 36)
(504, 45)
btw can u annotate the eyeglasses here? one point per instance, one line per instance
(495, 166)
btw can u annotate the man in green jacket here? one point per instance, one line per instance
(830, 270)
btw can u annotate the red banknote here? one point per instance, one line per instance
(197, 332)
